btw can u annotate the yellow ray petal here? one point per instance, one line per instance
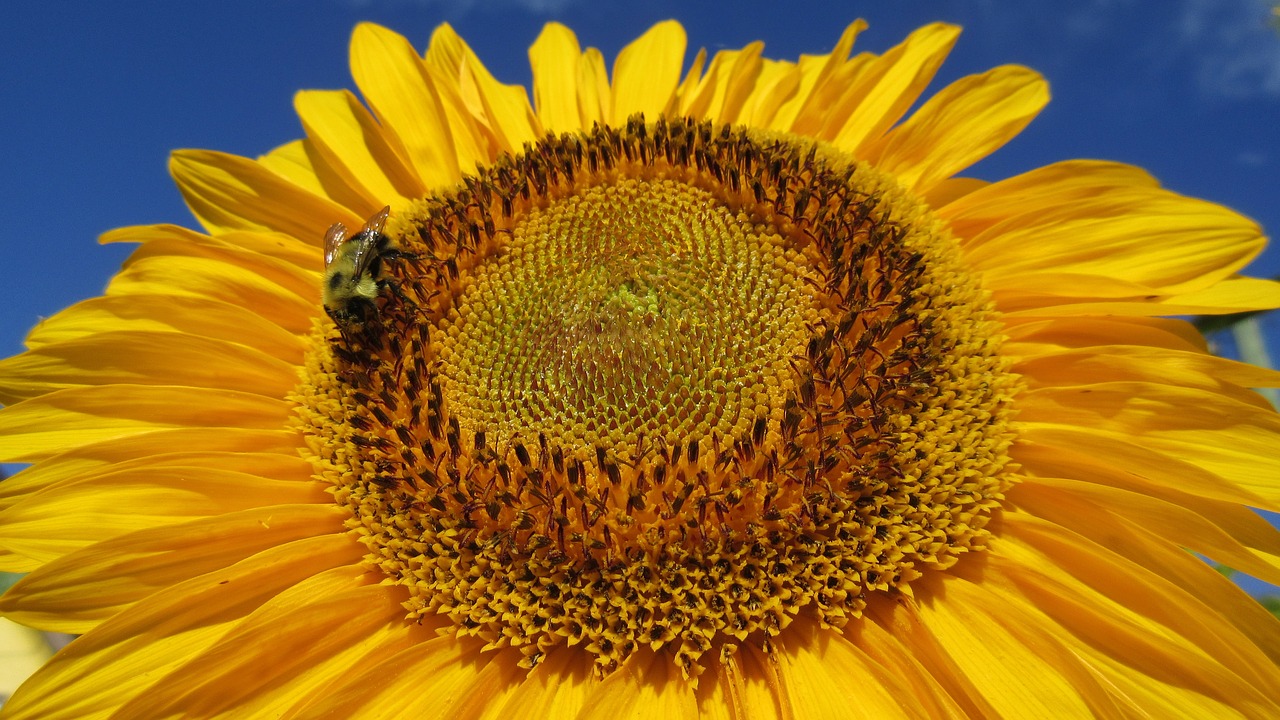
(1229, 296)
(1190, 490)
(647, 71)
(693, 79)
(395, 83)
(121, 658)
(1156, 241)
(474, 142)
(1226, 437)
(1010, 654)
(722, 93)
(226, 192)
(48, 525)
(1193, 370)
(156, 314)
(916, 681)
(1152, 533)
(962, 124)
(777, 83)
(899, 617)
(301, 254)
(292, 162)
(738, 689)
(648, 685)
(41, 427)
(354, 147)
(218, 276)
(153, 359)
(1130, 614)
(814, 74)
(205, 448)
(556, 688)
(888, 86)
(1050, 187)
(503, 109)
(595, 98)
(1036, 337)
(337, 615)
(554, 57)
(163, 242)
(823, 672)
(78, 591)
(441, 678)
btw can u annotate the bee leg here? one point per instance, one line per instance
(396, 290)
(413, 259)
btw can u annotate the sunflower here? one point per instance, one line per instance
(672, 394)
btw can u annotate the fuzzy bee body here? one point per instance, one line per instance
(354, 271)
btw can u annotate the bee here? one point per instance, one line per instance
(354, 271)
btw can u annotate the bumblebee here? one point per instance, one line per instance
(354, 271)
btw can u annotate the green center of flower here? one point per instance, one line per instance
(664, 387)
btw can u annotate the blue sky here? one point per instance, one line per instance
(97, 94)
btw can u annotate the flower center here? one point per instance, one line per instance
(635, 310)
(664, 386)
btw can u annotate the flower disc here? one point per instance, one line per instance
(667, 385)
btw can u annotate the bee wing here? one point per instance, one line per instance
(368, 239)
(374, 225)
(333, 239)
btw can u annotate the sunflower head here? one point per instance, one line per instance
(684, 394)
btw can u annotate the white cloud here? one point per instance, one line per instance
(1250, 158)
(1235, 49)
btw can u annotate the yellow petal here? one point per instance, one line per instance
(41, 427)
(595, 98)
(777, 82)
(474, 142)
(284, 296)
(1009, 654)
(887, 87)
(1125, 611)
(121, 658)
(292, 162)
(355, 148)
(78, 591)
(723, 92)
(1225, 437)
(1145, 239)
(556, 688)
(440, 678)
(203, 447)
(1109, 363)
(395, 83)
(1152, 532)
(1240, 294)
(48, 525)
(647, 71)
(962, 124)
(1051, 187)
(648, 685)
(337, 617)
(815, 82)
(1051, 335)
(822, 673)
(156, 314)
(1045, 445)
(554, 57)
(504, 109)
(226, 192)
(152, 359)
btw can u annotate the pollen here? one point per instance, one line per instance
(664, 386)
